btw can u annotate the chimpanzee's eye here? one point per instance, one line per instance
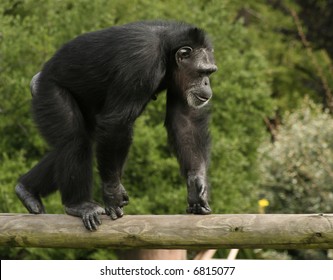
(185, 52)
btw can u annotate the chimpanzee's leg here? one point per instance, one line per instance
(188, 134)
(61, 123)
(113, 142)
(39, 181)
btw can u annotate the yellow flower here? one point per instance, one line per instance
(263, 202)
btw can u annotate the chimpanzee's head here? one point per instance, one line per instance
(194, 68)
(194, 62)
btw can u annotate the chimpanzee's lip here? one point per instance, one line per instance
(202, 98)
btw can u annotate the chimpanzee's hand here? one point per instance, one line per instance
(115, 198)
(197, 195)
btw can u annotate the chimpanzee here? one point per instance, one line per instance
(94, 88)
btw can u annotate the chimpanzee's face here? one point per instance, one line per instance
(194, 69)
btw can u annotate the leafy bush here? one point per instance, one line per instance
(297, 169)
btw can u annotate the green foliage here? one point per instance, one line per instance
(10, 168)
(33, 30)
(297, 170)
(242, 101)
(295, 71)
(258, 54)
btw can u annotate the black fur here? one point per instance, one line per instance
(94, 88)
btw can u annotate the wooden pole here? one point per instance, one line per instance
(170, 231)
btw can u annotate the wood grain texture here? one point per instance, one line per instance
(170, 231)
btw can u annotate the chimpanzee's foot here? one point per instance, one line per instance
(31, 201)
(197, 190)
(89, 212)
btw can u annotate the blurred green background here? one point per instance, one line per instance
(271, 126)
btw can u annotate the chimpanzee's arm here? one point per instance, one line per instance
(188, 134)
